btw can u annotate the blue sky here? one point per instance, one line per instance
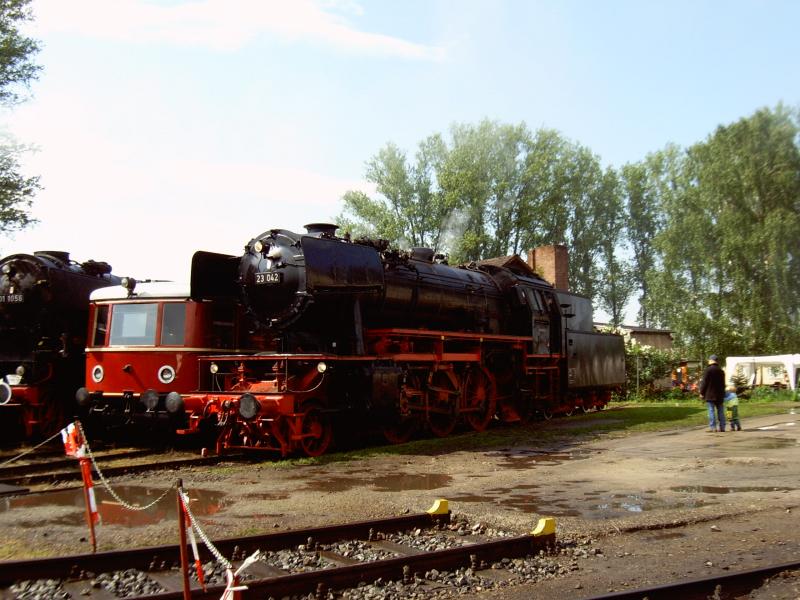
(164, 127)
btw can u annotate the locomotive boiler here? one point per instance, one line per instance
(365, 336)
(43, 314)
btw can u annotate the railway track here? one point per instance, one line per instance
(392, 551)
(721, 587)
(54, 462)
(68, 470)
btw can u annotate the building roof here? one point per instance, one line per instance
(513, 263)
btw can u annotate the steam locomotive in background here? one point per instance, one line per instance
(43, 319)
(357, 335)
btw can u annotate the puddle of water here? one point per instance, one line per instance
(595, 505)
(525, 504)
(626, 504)
(267, 496)
(404, 481)
(523, 462)
(203, 503)
(667, 536)
(710, 489)
(768, 443)
(336, 484)
(386, 483)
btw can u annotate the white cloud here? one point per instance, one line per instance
(146, 213)
(222, 25)
(147, 219)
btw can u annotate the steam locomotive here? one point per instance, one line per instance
(43, 313)
(358, 335)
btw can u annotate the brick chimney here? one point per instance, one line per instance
(552, 263)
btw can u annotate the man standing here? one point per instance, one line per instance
(712, 389)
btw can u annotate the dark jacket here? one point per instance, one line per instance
(712, 386)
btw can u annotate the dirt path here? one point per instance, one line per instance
(656, 506)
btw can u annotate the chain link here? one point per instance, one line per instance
(28, 451)
(107, 485)
(211, 547)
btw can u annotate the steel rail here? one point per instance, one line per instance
(143, 558)
(731, 584)
(75, 475)
(50, 465)
(387, 569)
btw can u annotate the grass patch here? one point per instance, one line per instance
(620, 418)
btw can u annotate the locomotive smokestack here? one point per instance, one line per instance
(321, 229)
(552, 263)
(56, 254)
(423, 254)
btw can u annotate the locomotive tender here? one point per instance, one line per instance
(366, 336)
(43, 313)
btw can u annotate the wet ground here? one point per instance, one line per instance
(682, 503)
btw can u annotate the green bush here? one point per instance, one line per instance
(644, 366)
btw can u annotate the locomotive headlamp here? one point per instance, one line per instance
(6, 269)
(322, 367)
(258, 246)
(129, 283)
(97, 374)
(5, 393)
(82, 397)
(174, 403)
(20, 370)
(149, 399)
(214, 368)
(166, 374)
(248, 406)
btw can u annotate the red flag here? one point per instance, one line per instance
(73, 443)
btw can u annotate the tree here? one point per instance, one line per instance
(412, 209)
(16, 72)
(16, 191)
(490, 190)
(729, 278)
(647, 187)
(616, 283)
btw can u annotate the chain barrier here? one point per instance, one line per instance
(29, 450)
(107, 485)
(211, 547)
(231, 577)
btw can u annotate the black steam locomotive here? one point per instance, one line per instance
(359, 334)
(44, 301)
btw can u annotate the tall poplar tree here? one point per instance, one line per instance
(729, 278)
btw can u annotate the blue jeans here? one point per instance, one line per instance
(716, 413)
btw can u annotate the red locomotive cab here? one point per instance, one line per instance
(142, 355)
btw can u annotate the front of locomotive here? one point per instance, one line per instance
(24, 350)
(276, 400)
(272, 277)
(142, 356)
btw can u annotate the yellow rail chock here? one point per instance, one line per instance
(439, 507)
(546, 526)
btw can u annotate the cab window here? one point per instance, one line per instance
(133, 325)
(173, 324)
(100, 325)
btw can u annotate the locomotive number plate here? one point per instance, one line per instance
(12, 298)
(266, 278)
